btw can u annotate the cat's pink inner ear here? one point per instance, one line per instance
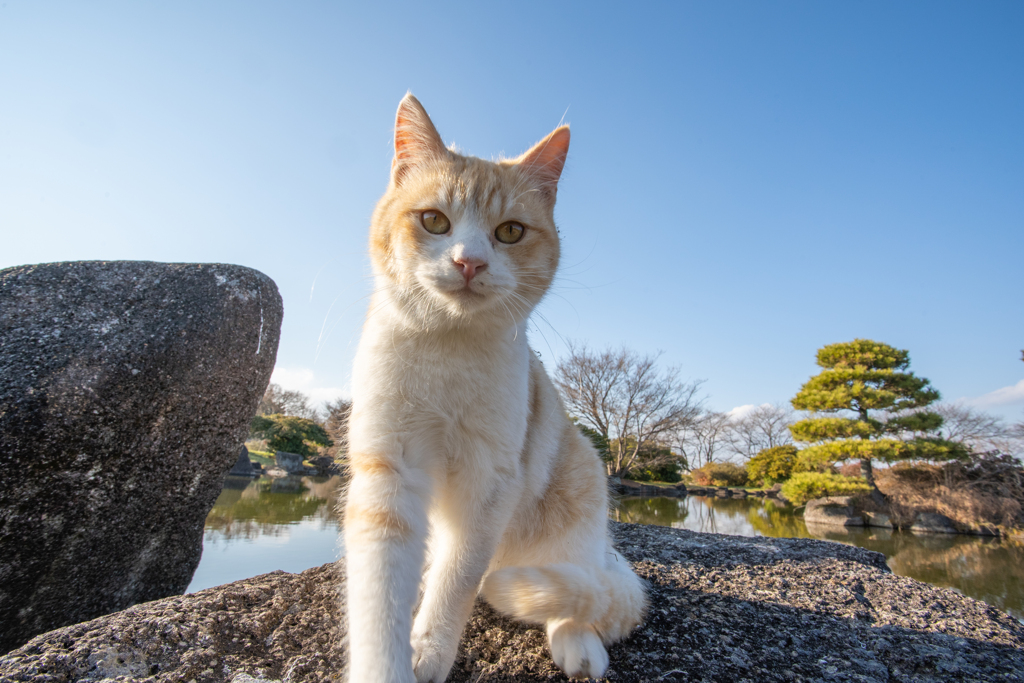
(547, 158)
(416, 138)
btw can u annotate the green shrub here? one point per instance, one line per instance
(719, 474)
(669, 472)
(805, 486)
(656, 464)
(772, 465)
(290, 434)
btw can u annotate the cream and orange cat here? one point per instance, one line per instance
(467, 475)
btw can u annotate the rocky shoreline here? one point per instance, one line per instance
(823, 513)
(628, 487)
(723, 608)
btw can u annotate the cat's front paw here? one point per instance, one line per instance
(431, 660)
(577, 649)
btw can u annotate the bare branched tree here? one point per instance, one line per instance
(763, 427)
(1017, 432)
(627, 398)
(980, 431)
(702, 439)
(287, 402)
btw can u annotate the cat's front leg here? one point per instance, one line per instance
(385, 532)
(461, 547)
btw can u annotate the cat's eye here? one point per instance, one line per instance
(435, 222)
(510, 232)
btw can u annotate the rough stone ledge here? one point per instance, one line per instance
(723, 608)
(126, 392)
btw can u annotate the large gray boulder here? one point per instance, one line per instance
(126, 390)
(289, 462)
(834, 511)
(932, 523)
(723, 608)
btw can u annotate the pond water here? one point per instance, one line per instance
(257, 526)
(260, 525)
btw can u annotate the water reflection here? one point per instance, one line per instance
(735, 516)
(988, 569)
(248, 508)
(257, 526)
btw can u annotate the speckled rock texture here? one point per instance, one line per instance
(723, 608)
(126, 390)
(836, 511)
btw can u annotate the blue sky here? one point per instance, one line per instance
(747, 181)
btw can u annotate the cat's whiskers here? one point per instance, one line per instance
(322, 340)
(512, 317)
(520, 306)
(536, 312)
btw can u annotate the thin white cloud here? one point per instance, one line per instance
(296, 379)
(304, 380)
(739, 412)
(1000, 397)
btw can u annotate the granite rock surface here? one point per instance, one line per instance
(723, 608)
(126, 390)
(933, 523)
(289, 462)
(836, 511)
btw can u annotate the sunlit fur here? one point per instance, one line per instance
(467, 474)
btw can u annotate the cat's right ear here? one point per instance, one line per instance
(416, 139)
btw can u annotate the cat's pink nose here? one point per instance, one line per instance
(469, 267)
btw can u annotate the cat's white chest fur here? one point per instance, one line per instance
(453, 400)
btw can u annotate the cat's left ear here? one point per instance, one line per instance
(545, 161)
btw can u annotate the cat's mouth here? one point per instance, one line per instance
(458, 289)
(459, 297)
(466, 293)
(462, 299)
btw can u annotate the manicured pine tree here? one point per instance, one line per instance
(865, 406)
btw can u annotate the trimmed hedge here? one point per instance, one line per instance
(772, 465)
(805, 486)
